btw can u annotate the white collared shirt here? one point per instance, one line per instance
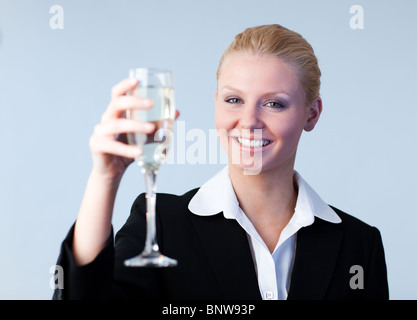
(273, 270)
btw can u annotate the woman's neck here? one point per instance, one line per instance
(268, 200)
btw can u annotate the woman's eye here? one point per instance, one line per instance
(275, 105)
(233, 100)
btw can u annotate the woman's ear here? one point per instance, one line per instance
(314, 112)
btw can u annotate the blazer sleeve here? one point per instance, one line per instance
(376, 281)
(93, 280)
(106, 277)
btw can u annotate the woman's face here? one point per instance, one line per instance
(261, 112)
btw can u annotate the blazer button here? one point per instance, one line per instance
(269, 295)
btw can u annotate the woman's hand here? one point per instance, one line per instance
(108, 144)
(111, 156)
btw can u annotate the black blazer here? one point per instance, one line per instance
(215, 261)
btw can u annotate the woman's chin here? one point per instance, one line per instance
(249, 166)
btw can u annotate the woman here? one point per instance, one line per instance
(256, 230)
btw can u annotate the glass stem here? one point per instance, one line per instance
(151, 245)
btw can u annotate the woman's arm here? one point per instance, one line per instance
(111, 156)
(93, 225)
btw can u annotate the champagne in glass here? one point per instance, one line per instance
(157, 85)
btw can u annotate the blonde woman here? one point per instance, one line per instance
(256, 230)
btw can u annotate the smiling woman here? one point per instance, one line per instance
(256, 230)
(261, 94)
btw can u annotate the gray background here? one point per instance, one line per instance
(55, 84)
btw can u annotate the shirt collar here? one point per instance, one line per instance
(308, 201)
(217, 195)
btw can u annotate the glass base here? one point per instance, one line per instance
(153, 260)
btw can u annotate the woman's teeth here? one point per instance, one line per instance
(253, 143)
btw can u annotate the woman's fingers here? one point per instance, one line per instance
(120, 104)
(103, 139)
(107, 146)
(118, 126)
(120, 101)
(122, 87)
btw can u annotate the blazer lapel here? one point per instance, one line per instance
(315, 260)
(228, 252)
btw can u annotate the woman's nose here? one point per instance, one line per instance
(250, 117)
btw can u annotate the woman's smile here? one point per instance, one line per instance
(252, 143)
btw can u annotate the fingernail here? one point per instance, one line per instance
(147, 102)
(149, 126)
(136, 152)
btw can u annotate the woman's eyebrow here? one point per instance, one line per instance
(271, 93)
(275, 93)
(227, 87)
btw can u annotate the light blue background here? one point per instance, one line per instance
(55, 84)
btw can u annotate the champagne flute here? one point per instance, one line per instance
(157, 85)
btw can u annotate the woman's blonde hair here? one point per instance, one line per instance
(286, 45)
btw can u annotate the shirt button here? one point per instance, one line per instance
(269, 295)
